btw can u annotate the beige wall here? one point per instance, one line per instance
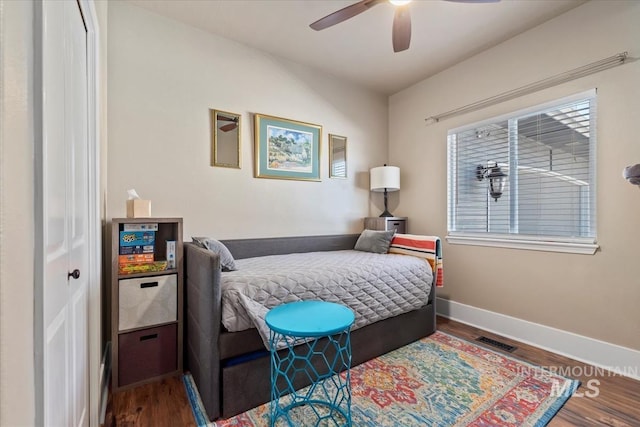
(17, 394)
(596, 296)
(163, 79)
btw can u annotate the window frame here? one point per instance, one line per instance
(549, 243)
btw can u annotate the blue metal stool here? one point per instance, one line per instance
(320, 330)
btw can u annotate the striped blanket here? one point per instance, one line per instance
(427, 247)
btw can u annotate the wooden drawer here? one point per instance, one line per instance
(147, 301)
(147, 353)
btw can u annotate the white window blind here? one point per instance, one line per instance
(548, 154)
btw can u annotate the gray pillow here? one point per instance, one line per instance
(226, 259)
(374, 241)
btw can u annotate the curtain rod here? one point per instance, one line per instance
(585, 70)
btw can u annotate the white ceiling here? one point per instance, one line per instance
(359, 49)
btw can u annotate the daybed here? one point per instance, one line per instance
(232, 369)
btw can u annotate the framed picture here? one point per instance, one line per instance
(287, 149)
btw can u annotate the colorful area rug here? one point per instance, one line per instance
(439, 381)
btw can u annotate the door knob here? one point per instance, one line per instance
(75, 274)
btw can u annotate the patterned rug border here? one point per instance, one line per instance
(202, 420)
(197, 407)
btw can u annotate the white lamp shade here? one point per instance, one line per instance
(385, 177)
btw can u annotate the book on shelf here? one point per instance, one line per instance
(137, 238)
(137, 249)
(150, 267)
(171, 254)
(136, 258)
(141, 227)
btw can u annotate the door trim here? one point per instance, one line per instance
(87, 8)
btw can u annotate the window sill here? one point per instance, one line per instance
(584, 248)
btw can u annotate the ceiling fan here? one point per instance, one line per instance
(228, 127)
(401, 35)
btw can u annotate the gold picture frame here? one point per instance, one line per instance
(226, 145)
(337, 156)
(286, 149)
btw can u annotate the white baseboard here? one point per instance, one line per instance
(621, 360)
(105, 376)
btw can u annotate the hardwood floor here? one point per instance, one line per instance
(617, 403)
(158, 404)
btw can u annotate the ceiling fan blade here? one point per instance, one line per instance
(344, 14)
(401, 29)
(222, 118)
(227, 128)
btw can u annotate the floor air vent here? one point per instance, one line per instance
(498, 344)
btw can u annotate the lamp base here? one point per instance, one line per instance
(386, 212)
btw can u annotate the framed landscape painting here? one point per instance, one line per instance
(287, 149)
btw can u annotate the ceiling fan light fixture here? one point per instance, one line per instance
(401, 31)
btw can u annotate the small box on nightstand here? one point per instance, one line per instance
(138, 208)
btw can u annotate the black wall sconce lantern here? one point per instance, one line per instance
(497, 178)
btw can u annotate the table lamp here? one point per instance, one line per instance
(384, 179)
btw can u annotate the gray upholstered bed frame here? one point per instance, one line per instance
(229, 389)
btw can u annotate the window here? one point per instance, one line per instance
(548, 201)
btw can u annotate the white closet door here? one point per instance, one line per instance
(66, 221)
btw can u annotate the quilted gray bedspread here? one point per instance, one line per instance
(374, 286)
